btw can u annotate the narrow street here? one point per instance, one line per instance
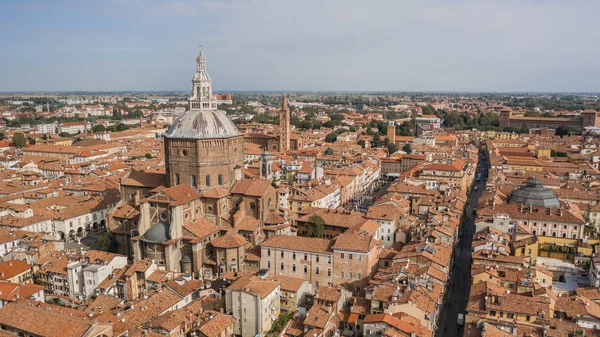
(460, 281)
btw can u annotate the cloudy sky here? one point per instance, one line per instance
(397, 45)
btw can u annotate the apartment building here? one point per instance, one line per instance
(388, 216)
(454, 172)
(48, 129)
(254, 302)
(325, 195)
(348, 260)
(86, 273)
(15, 271)
(77, 276)
(336, 221)
(294, 292)
(355, 258)
(306, 258)
(72, 127)
(11, 292)
(33, 318)
(400, 163)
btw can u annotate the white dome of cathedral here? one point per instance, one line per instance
(199, 124)
(202, 120)
(203, 148)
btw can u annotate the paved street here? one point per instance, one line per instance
(460, 281)
(87, 242)
(366, 200)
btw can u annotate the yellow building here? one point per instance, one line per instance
(293, 292)
(15, 271)
(526, 247)
(523, 165)
(543, 152)
(496, 303)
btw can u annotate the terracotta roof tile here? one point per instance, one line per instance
(299, 243)
(229, 241)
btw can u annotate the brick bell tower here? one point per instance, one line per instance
(284, 126)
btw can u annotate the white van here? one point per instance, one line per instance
(461, 319)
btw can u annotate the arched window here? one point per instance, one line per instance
(176, 178)
(220, 179)
(194, 182)
(208, 180)
(574, 236)
(564, 235)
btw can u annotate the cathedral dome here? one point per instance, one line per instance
(158, 233)
(534, 194)
(199, 124)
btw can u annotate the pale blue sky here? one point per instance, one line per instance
(397, 45)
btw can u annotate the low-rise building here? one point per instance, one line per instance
(254, 303)
(15, 271)
(32, 318)
(10, 292)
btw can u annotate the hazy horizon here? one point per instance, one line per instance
(427, 46)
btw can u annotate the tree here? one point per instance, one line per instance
(332, 137)
(279, 324)
(64, 134)
(148, 156)
(428, 110)
(98, 128)
(376, 140)
(523, 129)
(107, 243)
(44, 137)
(329, 151)
(548, 114)
(2, 136)
(554, 153)
(315, 226)
(32, 141)
(137, 113)
(563, 130)
(591, 231)
(116, 113)
(122, 127)
(19, 139)
(392, 148)
(362, 143)
(407, 148)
